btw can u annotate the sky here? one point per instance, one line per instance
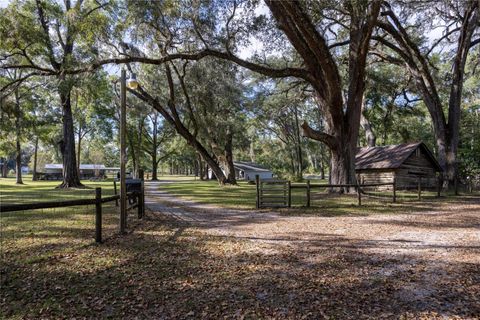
(255, 44)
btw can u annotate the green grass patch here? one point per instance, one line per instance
(323, 203)
(36, 191)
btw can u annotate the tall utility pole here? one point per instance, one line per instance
(123, 153)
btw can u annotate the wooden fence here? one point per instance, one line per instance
(273, 193)
(278, 193)
(138, 197)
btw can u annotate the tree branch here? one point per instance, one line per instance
(268, 71)
(326, 138)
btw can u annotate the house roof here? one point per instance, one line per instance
(250, 166)
(390, 157)
(82, 166)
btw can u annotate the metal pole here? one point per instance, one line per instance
(123, 155)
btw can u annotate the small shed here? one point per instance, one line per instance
(248, 170)
(408, 163)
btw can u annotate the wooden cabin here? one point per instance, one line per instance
(408, 163)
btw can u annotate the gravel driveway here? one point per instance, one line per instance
(430, 259)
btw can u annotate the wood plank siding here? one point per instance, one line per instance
(411, 163)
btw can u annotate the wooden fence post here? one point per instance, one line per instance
(308, 193)
(115, 191)
(98, 215)
(455, 183)
(419, 188)
(143, 199)
(359, 195)
(394, 189)
(439, 186)
(257, 182)
(140, 197)
(289, 194)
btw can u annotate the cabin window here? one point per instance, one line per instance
(417, 152)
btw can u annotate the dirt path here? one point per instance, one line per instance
(450, 229)
(432, 258)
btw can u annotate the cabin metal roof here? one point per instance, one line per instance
(391, 156)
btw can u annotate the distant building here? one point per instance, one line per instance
(407, 163)
(53, 171)
(247, 171)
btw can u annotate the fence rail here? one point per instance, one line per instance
(273, 193)
(54, 204)
(284, 198)
(137, 197)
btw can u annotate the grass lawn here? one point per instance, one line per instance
(51, 268)
(34, 191)
(322, 203)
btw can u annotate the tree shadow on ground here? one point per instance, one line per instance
(164, 270)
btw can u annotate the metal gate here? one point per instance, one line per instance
(273, 193)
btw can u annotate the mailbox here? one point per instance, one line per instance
(133, 185)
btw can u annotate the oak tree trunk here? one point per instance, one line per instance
(79, 146)
(18, 154)
(70, 171)
(35, 159)
(4, 167)
(180, 128)
(154, 166)
(18, 160)
(229, 160)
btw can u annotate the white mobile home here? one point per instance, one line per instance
(53, 171)
(248, 170)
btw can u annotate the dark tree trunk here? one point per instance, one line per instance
(229, 159)
(18, 151)
(175, 121)
(154, 148)
(18, 160)
(201, 168)
(251, 151)
(79, 146)
(298, 145)
(35, 159)
(4, 167)
(446, 133)
(341, 166)
(342, 117)
(154, 167)
(70, 170)
(366, 125)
